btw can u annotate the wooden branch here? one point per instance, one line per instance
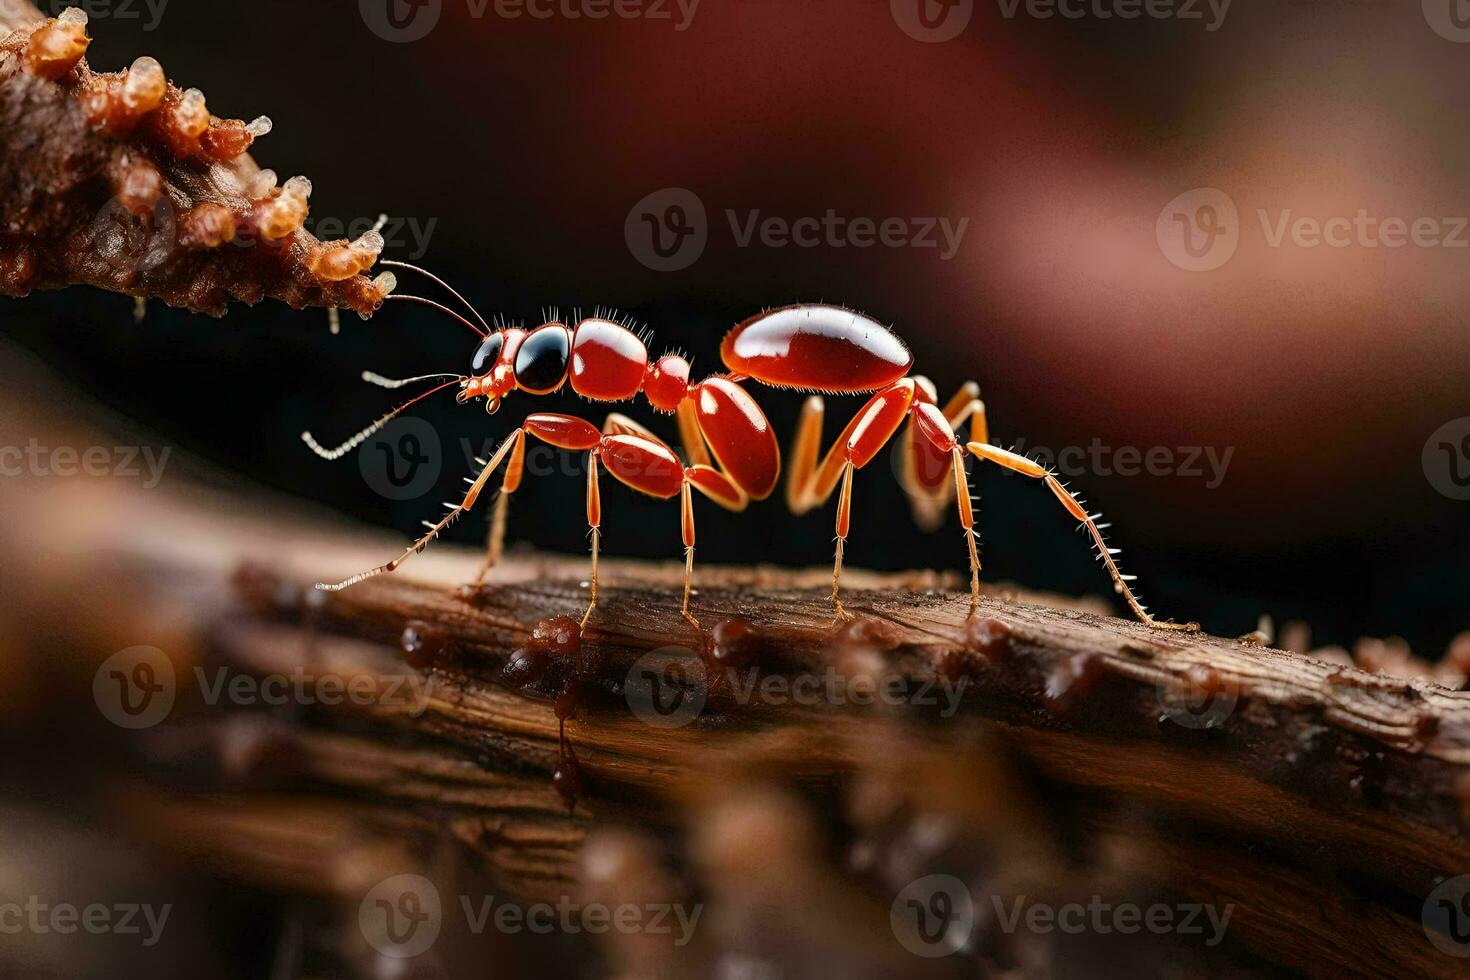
(1340, 785)
(1323, 801)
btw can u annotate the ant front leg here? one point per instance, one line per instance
(1020, 464)
(563, 432)
(470, 497)
(514, 470)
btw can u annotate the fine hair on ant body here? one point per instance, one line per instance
(732, 453)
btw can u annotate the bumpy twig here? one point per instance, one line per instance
(124, 181)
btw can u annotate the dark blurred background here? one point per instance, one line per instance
(511, 152)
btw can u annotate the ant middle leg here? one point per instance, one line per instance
(710, 481)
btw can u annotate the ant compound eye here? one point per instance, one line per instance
(541, 363)
(488, 353)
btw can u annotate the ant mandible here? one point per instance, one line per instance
(733, 456)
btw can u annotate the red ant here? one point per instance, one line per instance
(732, 449)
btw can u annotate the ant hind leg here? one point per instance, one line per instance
(1026, 467)
(844, 517)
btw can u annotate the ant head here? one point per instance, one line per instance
(492, 369)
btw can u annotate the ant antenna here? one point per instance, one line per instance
(382, 382)
(352, 443)
(437, 306)
(427, 274)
